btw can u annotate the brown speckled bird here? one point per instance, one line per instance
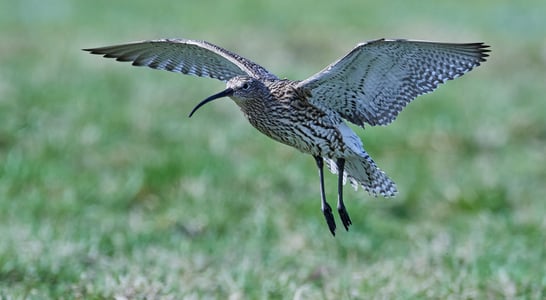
(371, 84)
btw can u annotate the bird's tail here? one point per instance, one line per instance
(362, 170)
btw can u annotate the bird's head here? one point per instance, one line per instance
(241, 89)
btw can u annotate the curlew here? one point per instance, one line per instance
(371, 84)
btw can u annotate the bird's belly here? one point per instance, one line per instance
(312, 137)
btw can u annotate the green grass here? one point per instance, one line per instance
(108, 190)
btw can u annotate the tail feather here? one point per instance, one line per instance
(363, 171)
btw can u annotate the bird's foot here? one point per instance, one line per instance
(327, 211)
(344, 216)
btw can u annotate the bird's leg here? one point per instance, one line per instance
(343, 214)
(325, 207)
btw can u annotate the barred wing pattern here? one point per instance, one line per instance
(377, 79)
(190, 57)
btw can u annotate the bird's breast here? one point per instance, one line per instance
(303, 126)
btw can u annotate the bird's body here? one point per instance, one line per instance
(289, 118)
(282, 110)
(371, 84)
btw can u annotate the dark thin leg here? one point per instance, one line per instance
(325, 207)
(343, 214)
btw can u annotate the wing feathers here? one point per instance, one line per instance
(190, 57)
(376, 80)
(371, 84)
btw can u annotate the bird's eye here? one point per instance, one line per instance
(246, 86)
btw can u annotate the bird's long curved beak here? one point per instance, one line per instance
(224, 93)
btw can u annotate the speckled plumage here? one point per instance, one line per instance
(371, 84)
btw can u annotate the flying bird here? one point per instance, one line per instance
(369, 85)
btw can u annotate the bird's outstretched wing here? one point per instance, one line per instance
(191, 57)
(377, 79)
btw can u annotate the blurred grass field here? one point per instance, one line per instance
(108, 190)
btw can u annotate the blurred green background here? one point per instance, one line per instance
(108, 190)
